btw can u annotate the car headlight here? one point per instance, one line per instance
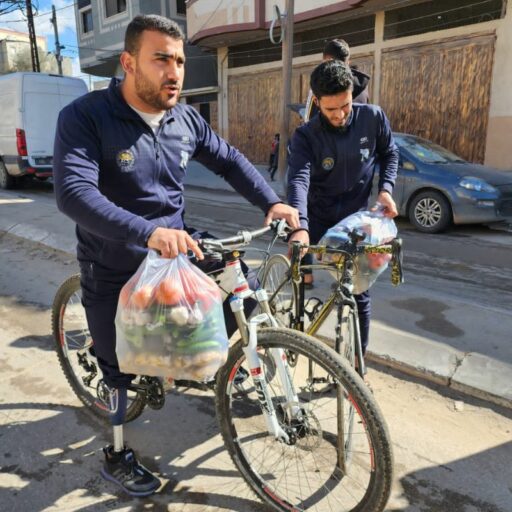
(477, 184)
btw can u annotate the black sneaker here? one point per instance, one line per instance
(123, 469)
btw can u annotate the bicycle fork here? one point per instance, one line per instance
(249, 331)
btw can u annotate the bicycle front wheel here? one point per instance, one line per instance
(282, 294)
(332, 460)
(75, 350)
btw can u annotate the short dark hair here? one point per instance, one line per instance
(153, 22)
(330, 78)
(337, 49)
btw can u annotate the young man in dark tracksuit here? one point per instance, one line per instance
(119, 164)
(333, 159)
(338, 49)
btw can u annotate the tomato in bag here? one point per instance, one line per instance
(170, 321)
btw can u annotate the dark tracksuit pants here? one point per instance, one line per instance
(100, 294)
(317, 229)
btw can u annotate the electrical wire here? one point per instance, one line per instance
(270, 51)
(46, 13)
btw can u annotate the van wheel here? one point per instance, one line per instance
(6, 180)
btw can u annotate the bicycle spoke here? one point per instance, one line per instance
(305, 471)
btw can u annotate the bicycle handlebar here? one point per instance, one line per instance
(243, 238)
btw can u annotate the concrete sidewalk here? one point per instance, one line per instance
(412, 329)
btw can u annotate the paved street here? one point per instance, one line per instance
(452, 451)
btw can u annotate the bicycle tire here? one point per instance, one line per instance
(281, 292)
(268, 466)
(68, 300)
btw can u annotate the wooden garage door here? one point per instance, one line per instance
(255, 106)
(441, 91)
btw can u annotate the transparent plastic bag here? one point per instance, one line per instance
(170, 321)
(378, 229)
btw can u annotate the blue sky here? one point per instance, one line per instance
(65, 21)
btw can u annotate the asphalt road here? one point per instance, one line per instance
(452, 453)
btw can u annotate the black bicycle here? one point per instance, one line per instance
(283, 279)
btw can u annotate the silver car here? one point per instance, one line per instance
(436, 188)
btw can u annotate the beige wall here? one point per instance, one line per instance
(299, 6)
(499, 133)
(11, 43)
(206, 15)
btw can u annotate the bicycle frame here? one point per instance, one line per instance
(342, 293)
(249, 332)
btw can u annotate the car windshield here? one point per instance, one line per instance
(426, 151)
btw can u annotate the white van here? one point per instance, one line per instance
(29, 107)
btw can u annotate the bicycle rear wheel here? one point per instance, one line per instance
(333, 460)
(74, 347)
(281, 292)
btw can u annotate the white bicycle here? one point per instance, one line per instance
(299, 444)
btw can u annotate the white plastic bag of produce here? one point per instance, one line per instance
(170, 322)
(378, 229)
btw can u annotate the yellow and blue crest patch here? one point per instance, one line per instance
(328, 163)
(125, 159)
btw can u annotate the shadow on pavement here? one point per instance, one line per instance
(51, 457)
(449, 487)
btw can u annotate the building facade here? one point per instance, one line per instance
(440, 69)
(101, 25)
(17, 44)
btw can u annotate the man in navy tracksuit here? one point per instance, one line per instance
(333, 159)
(119, 164)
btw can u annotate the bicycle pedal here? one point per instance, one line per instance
(155, 392)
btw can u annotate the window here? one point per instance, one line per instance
(87, 25)
(440, 15)
(181, 7)
(113, 7)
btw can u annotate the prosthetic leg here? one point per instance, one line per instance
(121, 465)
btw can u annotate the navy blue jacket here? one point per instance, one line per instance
(330, 171)
(119, 181)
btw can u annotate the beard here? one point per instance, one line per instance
(338, 128)
(151, 94)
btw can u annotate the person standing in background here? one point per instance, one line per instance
(338, 49)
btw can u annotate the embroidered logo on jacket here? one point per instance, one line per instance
(328, 163)
(125, 159)
(184, 159)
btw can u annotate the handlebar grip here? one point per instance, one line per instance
(397, 272)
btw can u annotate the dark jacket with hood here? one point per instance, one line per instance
(119, 181)
(330, 170)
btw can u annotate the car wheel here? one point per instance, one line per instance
(430, 212)
(6, 180)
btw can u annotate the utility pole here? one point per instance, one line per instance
(287, 57)
(58, 47)
(32, 36)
